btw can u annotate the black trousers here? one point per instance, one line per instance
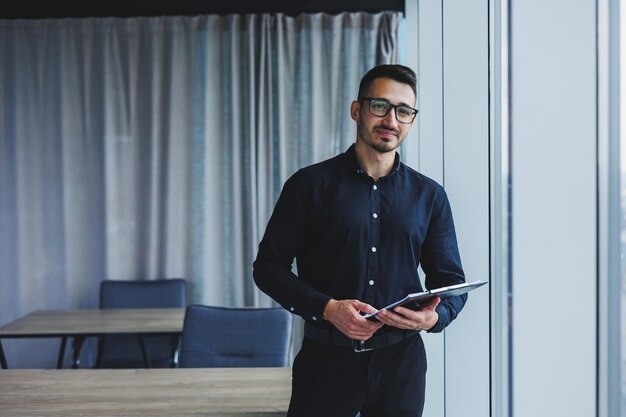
(332, 381)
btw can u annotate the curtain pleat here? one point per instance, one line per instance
(149, 148)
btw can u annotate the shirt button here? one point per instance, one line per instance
(291, 308)
(314, 318)
(375, 187)
(371, 282)
(375, 215)
(373, 248)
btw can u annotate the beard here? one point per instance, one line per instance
(379, 145)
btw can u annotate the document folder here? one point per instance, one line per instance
(420, 298)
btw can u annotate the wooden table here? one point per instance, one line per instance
(80, 324)
(227, 392)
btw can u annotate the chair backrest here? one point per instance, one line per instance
(124, 351)
(160, 293)
(235, 337)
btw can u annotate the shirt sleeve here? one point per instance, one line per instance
(441, 261)
(284, 237)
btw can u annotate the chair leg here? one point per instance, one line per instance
(99, 353)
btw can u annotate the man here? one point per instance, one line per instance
(358, 225)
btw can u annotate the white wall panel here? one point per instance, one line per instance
(430, 84)
(553, 134)
(554, 191)
(466, 179)
(430, 75)
(452, 147)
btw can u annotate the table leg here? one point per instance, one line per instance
(77, 345)
(3, 359)
(61, 352)
(146, 359)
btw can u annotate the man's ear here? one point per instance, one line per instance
(355, 109)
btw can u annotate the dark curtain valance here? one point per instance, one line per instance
(38, 9)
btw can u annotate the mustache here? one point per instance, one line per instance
(396, 131)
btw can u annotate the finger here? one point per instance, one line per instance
(390, 317)
(359, 334)
(364, 335)
(363, 307)
(367, 325)
(406, 312)
(417, 320)
(356, 322)
(396, 319)
(363, 324)
(372, 326)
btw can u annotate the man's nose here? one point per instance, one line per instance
(390, 118)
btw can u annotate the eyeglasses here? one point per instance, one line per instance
(380, 107)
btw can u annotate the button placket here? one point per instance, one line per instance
(374, 240)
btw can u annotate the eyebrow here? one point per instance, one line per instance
(402, 103)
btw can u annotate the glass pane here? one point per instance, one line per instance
(622, 95)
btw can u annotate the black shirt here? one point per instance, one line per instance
(356, 238)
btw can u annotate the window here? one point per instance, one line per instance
(622, 163)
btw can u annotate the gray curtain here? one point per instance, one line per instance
(151, 148)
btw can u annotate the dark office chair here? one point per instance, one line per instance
(235, 337)
(124, 351)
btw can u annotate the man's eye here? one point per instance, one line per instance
(403, 111)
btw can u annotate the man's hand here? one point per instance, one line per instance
(344, 315)
(403, 318)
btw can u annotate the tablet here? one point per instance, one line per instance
(419, 298)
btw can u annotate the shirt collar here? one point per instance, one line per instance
(353, 163)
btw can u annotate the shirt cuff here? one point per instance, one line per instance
(312, 310)
(442, 322)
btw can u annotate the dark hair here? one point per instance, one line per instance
(395, 72)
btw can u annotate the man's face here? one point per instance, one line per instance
(383, 134)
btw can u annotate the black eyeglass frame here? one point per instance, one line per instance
(391, 106)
